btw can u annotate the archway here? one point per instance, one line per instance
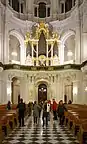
(22, 45)
(67, 47)
(15, 96)
(42, 92)
(14, 50)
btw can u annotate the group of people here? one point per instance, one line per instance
(44, 107)
(57, 109)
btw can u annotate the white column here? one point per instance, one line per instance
(52, 54)
(3, 89)
(77, 98)
(11, 3)
(32, 51)
(7, 2)
(9, 90)
(46, 10)
(72, 3)
(64, 7)
(32, 54)
(84, 50)
(29, 7)
(77, 46)
(58, 6)
(24, 10)
(37, 55)
(22, 53)
(24, 90)
(61, 53)
(47, 55)
(6, 44)
(37, 11)
(1, 51)
(19, 7)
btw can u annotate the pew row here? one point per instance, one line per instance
(8, 120)
(76, 120)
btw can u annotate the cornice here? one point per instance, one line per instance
(46, 68)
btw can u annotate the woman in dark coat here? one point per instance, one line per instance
(61, 109)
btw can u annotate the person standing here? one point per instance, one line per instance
(36, 110)
(61, 109)
(54, 108)
(21, 110)
(46, 110)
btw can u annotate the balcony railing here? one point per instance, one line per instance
(26, 16)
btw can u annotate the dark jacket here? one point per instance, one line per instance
(61, 109)
(8, 107)
(21, 107)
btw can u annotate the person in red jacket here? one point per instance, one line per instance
(54, 107)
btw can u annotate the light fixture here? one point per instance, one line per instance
(69, 53)
(75, 91)
(44, 90)
(86, 89)
(14, 53)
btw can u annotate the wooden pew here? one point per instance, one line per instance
(76, 116)
(9, 119)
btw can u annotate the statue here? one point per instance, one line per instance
(55, 60)
(29, 60)
(27, 37)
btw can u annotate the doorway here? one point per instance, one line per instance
(15, 86)
(42, 93)
(68, 93)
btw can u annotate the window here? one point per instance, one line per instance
(21, 8)
(35, 11)
(15, 5)
(62, 8)
(42, 10)
(48, 12)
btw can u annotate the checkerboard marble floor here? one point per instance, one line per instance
(36, 134)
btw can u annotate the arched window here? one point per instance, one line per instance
(69, 49)
(42, 10)
(14, 50)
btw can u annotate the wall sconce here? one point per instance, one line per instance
(86, 89)
(75, 91)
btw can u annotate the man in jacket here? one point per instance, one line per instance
(21, 111)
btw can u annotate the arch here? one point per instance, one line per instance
(22, 45)
(66, 35)
(63, 39)
(17, 35)
(45, 1)
(41, 81)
